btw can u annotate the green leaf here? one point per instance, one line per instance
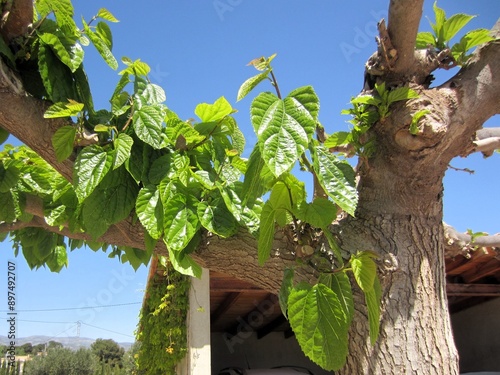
(123, 148)
(184, 264)
(7, 213)
(470, 40)
(68, 51)
(4, 134)
(332, 176)
(136, 257)
(266, 232)
(111, 202)
(66, 109)
(62, 9)
(258, 178)
(106, 15)
(454, 24)
(366, 99)
(320, 324)
(281, 203)
(364, 269)
(476, 37)
(56, 76)
(250, 84)
(216, 218)
(148, 125)
(150, 211)
(319, 213)
(285, 290)
(372, 298)
(338, 139)
(63, 141)
(8, 178)
(282, 138)
(180, 221)
(339, 283)
(6, 52)
(153, 94)
(213, 112)
(83, 89)
(58, 259)
(101, 46)
(439, 25)
(424, 39)
(306, 101)
(401, 93)
(416, 118)
(91, 165)
(56, 216)
(104, 32)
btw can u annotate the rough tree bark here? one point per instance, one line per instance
(400, 188)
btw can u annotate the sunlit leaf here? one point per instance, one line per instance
(91, 165)
(148, 125)
(66, 109)
(364, 269)
(454, 24)
(213, 112)
(281, 137)
(180, 221)
(111, 202)
(319, 213)
(106, 15)
(266, 233)
(339, 283)
(216, 218)
(150, 211)
(250, 84)
(285, 290)
(123, 148)
(320, 324)
(331, 173)
(101, 46)
(68, 51)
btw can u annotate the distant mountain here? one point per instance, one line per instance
(72, 343)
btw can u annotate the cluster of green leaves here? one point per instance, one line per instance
(366, 110)
(321, 314)
(162, 330)
(177, 178)
(445, 29)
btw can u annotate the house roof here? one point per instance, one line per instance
(236, 305)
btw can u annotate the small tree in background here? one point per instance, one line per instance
(63, 361)
(108, 352)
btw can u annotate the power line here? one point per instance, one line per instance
(74, 323)
(76, 308)
(108, 330)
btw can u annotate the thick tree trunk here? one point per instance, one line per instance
(415, 334)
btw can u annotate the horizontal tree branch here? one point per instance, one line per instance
(462, 243)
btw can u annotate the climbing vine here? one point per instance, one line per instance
(162, 325)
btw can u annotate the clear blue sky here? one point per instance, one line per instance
(198, 51)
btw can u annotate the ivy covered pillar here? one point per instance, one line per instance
(197, 360)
